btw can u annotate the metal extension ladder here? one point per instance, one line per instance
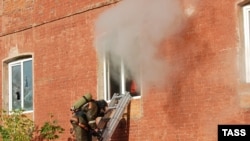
(116, 108)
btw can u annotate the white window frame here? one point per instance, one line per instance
(107, 79)
(14, 63)
(246, 20)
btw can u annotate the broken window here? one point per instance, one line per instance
(117, 78)
(21, 85)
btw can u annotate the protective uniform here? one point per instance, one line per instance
(91, 113)
(79, 121)
(80, 133)
(86, 116)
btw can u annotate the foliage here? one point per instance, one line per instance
(16, 126)
(51, 130)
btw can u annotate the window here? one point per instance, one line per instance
(246, 18)
(117, 78)
(20, 85)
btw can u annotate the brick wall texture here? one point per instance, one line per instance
(204, 89)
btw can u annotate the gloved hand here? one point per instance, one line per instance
(97, 133)
(96, 130)
(71, 130)
(74, 122)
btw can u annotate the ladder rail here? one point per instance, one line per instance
(119, 109)
(118, 113)
(103, 122)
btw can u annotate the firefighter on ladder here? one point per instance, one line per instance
(85, 111)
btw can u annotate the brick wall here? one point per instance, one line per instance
(60, 38)
(203, 84)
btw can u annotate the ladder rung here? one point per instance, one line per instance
(110, 108)
(118, 96)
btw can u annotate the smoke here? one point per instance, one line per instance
(132, 30)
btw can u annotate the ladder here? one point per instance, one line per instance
(110, 120)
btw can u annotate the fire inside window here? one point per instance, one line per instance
(118, 78)
(21, 85)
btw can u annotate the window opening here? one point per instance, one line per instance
(117, 78)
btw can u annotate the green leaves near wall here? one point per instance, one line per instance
(16, 126)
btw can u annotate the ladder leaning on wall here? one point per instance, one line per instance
(116, 108)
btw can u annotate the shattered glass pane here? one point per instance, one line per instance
(16, 87)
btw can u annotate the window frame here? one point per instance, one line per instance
(246, 26)
(21, 63)
(107, 83)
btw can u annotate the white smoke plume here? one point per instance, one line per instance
(133, 30)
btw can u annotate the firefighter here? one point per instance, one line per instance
(93, 110)
(79, 122)
(80, 129)
(84, 118)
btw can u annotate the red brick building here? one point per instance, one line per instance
(189, 61)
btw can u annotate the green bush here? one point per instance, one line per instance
(51, 130)
(18, 127)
